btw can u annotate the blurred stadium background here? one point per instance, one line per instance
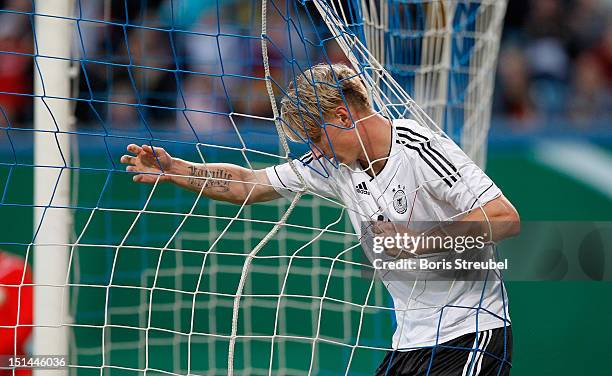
(550, 148)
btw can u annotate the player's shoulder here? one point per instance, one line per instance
(317, 167)
(410, 137)
(306, 158)
(409, 132)
(415, 137)
(420, 145)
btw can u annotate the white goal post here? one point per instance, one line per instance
(53, 121)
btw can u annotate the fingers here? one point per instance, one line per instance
(153, 150)
(379, 227)
(145, 158)
(401, 253)
(147, 178)
(128, 159)
(137, 178)
(143, 179)
(134, 149)
(137, 150)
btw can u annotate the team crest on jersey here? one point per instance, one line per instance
(400, 201)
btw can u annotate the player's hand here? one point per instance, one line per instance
(390, 229)
(150, 163)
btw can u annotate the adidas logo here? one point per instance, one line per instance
(362, 188)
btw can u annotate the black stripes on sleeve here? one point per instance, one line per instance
(480, 195)
(278, 176)
(434, 159)
(307, 158)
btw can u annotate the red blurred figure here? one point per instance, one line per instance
(12, 302)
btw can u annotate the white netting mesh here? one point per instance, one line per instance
(168, 282)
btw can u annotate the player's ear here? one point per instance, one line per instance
(343, 116)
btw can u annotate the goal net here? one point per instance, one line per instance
(450, 69)
(163, 281)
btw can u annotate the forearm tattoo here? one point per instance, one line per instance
(218, 179)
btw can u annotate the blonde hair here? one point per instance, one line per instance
(314, 94)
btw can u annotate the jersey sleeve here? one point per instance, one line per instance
(449, 175)
(286, 182)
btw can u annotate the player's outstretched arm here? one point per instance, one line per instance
(219, 181)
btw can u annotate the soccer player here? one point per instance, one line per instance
(387, 171)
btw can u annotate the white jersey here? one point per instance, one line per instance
(427, 177)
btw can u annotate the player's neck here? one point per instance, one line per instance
(376, 136)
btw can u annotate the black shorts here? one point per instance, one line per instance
(490, 354)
